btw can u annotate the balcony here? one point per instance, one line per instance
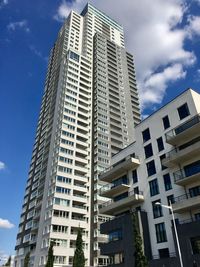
(118, 169)
(110, 190)
(177, 155)
(184, 132)
(183, 179)
(186, 202)
(112, 207)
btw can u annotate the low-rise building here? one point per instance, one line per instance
(162, 165)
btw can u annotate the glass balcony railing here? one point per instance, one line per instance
(108, 187)
(107, 203)
(185, 197)
(182, 174)
(183, 127)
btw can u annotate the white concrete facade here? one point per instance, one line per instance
(182, 158)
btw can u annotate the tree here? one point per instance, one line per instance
(27, 260)
(50, 257)
(8, 262)
(140, 258)
(79, 258)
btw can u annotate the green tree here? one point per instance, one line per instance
(50, 258)
(79, 258)
(8, 262)
(27, 260)
(140, 258)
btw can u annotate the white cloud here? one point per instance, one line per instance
(153, 34)
(12, 26)
(63, 11)
(5, 224)
(3, 3)
(154, 87)
(2, 165)
(37, 52)
(193, 27)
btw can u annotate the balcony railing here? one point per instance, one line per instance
(183, 127)
(181, 174)
(185, 197)
(108, 187)
(114, 165)
(107, 203)
(188, 221)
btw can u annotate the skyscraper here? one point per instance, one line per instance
(88, 112)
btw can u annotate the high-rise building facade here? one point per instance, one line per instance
(88, 113)
(156, 174)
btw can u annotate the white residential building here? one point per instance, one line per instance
(161, 166)
(88, 112)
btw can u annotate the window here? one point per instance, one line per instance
(157, 209)
(116, 258)
(170, 200)
(160, 233)
(148, 151)
(192, 168)
(160, 144)
(136, 190)
(195, 244)
(74, 56)
(163, 253)
(183, 111)
(115, 235)
(146, 135)
(134, 176)
(166, 122)
(194, 191)
(161, 158)
(154, 189)
(151, 169)
(197, 216)
(167, 182)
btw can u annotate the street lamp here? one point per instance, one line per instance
(175, 229)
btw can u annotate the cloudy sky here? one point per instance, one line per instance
(163, 36)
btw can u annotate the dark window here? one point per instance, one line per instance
(195, 244)
(136, 190)
(197, 216)
(148, 151)
(121, 196)
(119, 181)
(154, 189)
(163, 253)
(183, 111)
(167, 181)
(74, 56)
(192, 168)
(163, 167)
(135, 177)
(160, 144)
(194, 191)
(146, 135)
(166, 122)
(160, 233)
(170, 200)
(151, 169)
(157, 209)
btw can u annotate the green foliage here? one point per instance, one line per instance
(79, 258)
(50, 258)
(140, 259)
(27, 260)
(8, 262)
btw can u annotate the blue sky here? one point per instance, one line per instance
(165, 44)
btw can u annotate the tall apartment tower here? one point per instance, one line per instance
(88, 112)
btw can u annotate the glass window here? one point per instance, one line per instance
(148, 151)
(157, 209)
(134, 176)
(166, 122)
(146, 135)
(195, 244)
(154, 189)
(183, 111)
(167, 182)
(74, 56)
(115, 235)
(151, 169)
(160, 144)
(160, 233)
(164, 253)
(194, 191)
(161, 158)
